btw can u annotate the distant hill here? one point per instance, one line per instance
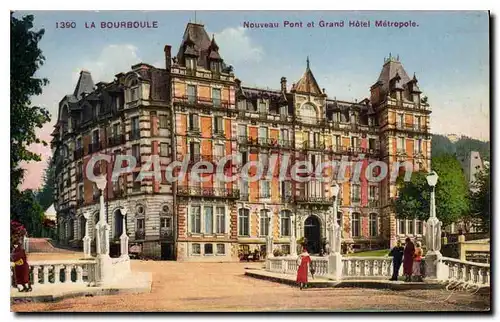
(441, 144)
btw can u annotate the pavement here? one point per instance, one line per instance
(224, 287)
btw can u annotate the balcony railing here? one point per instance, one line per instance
(373, 203)
(244, 196)
(201, 102)
(166, 232)
(411, 127)
(116, 140)
(314, 199)
(208, 192)
(286, 199)
(140, 234)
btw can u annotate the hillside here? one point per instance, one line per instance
(441, 144)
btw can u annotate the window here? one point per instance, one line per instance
(140, 224)
(263, 134)
(316, 140)
(286, 222)
(78, 143)
(80, 192)
(166, 222)
(209, 220)
(336, 117)
(242, 105)
(286, 190)
(402, 226)
(284, 110)
(337, 141)
(164, 149)
(214, 66)
(194, 150)
(370, 121)
(373, 225)
(191, 94)
(243, 222)
(195, 219)
(220, 220)
(190, 63)
(371, 144)
(411, 227)
(372, 192)
(221, 249)
(306, 138)
(163, 121)
(265, 189)
(354, 142)
(216, 97)
(262, 107)
(401, 144)
(355, 225)
(243, 190)
(134, 91)
(356, 193)
(136, 185)
(136, 153)
(420, 227)
(218, 125)
(418, 122)
(400, 120)
(285, 138)
(135, 133)
(95, 136)
(209, 249)
(251, 106)
(285, 249)
(195, 249)
(264, 222)
(419, 146)
(339, 219)
(193, 122)
(264, 161)
(244, 157)
(242, 130)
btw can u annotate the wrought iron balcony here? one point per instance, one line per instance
(314, 199)
(201, 102)
(166, 232)
(373, 203)
(140, 234)
(287, 199)
(411, 127)
(208, 192)
(116, 140)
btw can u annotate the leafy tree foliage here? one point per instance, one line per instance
(451, 193)
(25, 59)
(45, 196)
(480, 199)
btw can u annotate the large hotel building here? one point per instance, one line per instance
(195, 107)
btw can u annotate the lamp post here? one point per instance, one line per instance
(335, 257)
(86, 238)
(433, 235)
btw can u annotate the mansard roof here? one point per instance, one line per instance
(308, 84)
(85, 84)
(196, 42)
(391, 69)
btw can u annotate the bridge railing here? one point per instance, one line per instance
(465, 271)
(60, 272)
(288, 265)
(362, 267)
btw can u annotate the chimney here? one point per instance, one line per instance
(168, 56)
(283, 84)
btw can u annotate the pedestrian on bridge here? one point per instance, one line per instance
(408, 259)
(397, 258)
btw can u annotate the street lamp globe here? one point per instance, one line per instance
(432, 178)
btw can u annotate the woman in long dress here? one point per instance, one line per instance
(303, 269)
(417, 259)
(408, 259)
(21, 268)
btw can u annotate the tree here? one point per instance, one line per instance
(27, 211)
(440, 144)
(45, 196)
(451, 193)
(25, 59)
(480, 199)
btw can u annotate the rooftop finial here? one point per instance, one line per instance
(307, 62)
(195, 16)
(390, 55)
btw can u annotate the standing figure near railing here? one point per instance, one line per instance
(397, 259)
(21, 269)
(304, 260)
(408, 259)
(417, 259)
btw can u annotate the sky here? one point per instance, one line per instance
(448, 51)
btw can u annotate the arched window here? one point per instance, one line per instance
(166, 222)
(140, 225)
(83, 221)
(117, 223)
(264, 222)
(286, 222)
(373, 225)
(244, 222)
(355, 225)
(308, 113)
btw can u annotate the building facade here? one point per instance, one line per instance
(195, 109)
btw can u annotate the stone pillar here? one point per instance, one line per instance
(434, 268)
(293, 238)
(104, 265)
(86, 239)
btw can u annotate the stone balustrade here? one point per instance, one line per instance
(367, 267)
(465, 271)
(288, 265)
(60, 272)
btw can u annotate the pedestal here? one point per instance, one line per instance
(434, 268)
(124, 246)
(335, 266)
(269, 247)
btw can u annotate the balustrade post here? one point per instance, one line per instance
(57, 274)
(67, 273)
(79, 274)
(35, 275)
(103, 261)
(86, 239)
(45, 270)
